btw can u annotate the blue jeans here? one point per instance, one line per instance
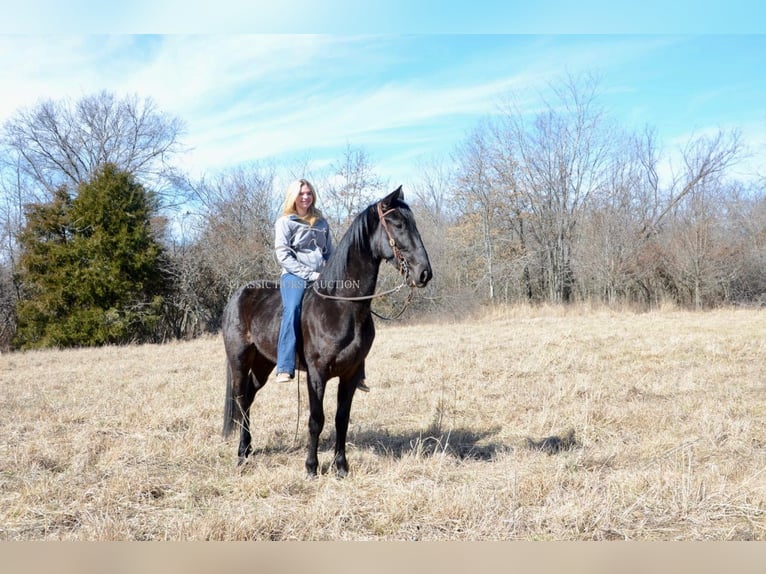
(291, 287)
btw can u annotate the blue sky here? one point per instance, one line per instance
(386, 16)
(404, 81)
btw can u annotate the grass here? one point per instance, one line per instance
(661, 416)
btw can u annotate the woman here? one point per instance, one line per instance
(302, 243)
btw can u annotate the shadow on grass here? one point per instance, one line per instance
(463, 444)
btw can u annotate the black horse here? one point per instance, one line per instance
(336, 325)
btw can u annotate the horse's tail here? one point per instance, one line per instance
(231, 414)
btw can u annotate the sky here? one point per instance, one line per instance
(298, 81)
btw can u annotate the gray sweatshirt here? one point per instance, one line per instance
(300, 248)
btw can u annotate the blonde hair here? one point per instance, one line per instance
(293, 190)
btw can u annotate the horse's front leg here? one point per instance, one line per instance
(316, 386)
(346, 389)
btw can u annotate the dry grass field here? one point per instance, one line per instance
(662, 417)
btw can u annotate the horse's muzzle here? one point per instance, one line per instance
(421, 279)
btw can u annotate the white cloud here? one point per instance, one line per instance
(250, 97)
(253, 97)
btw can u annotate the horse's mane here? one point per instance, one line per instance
(357, 236)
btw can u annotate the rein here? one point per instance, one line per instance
(403, 266)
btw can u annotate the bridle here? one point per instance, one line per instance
(402, 266)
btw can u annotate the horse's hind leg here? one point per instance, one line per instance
(245, 400)
(240, 392)
(246, 377)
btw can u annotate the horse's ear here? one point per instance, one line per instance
(395, 195)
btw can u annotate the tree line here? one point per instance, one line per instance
(105, 242)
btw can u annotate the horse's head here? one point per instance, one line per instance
(399, 241)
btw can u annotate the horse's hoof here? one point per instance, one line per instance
(341, 469)
(341, 465)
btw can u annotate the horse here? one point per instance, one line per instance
(337, 328)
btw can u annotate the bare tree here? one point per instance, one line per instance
(513, 242)
(352, 185)
(430, 199)
(433, 190)
(674, 241)
(60, 142)
(696, 203)
(11, 219)
(611, 236)
(703, 158)
(479, 199)
(563, 157)
(746, 226)
(230, 228)
(692, 242)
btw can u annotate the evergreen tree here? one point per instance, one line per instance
(90, 267)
